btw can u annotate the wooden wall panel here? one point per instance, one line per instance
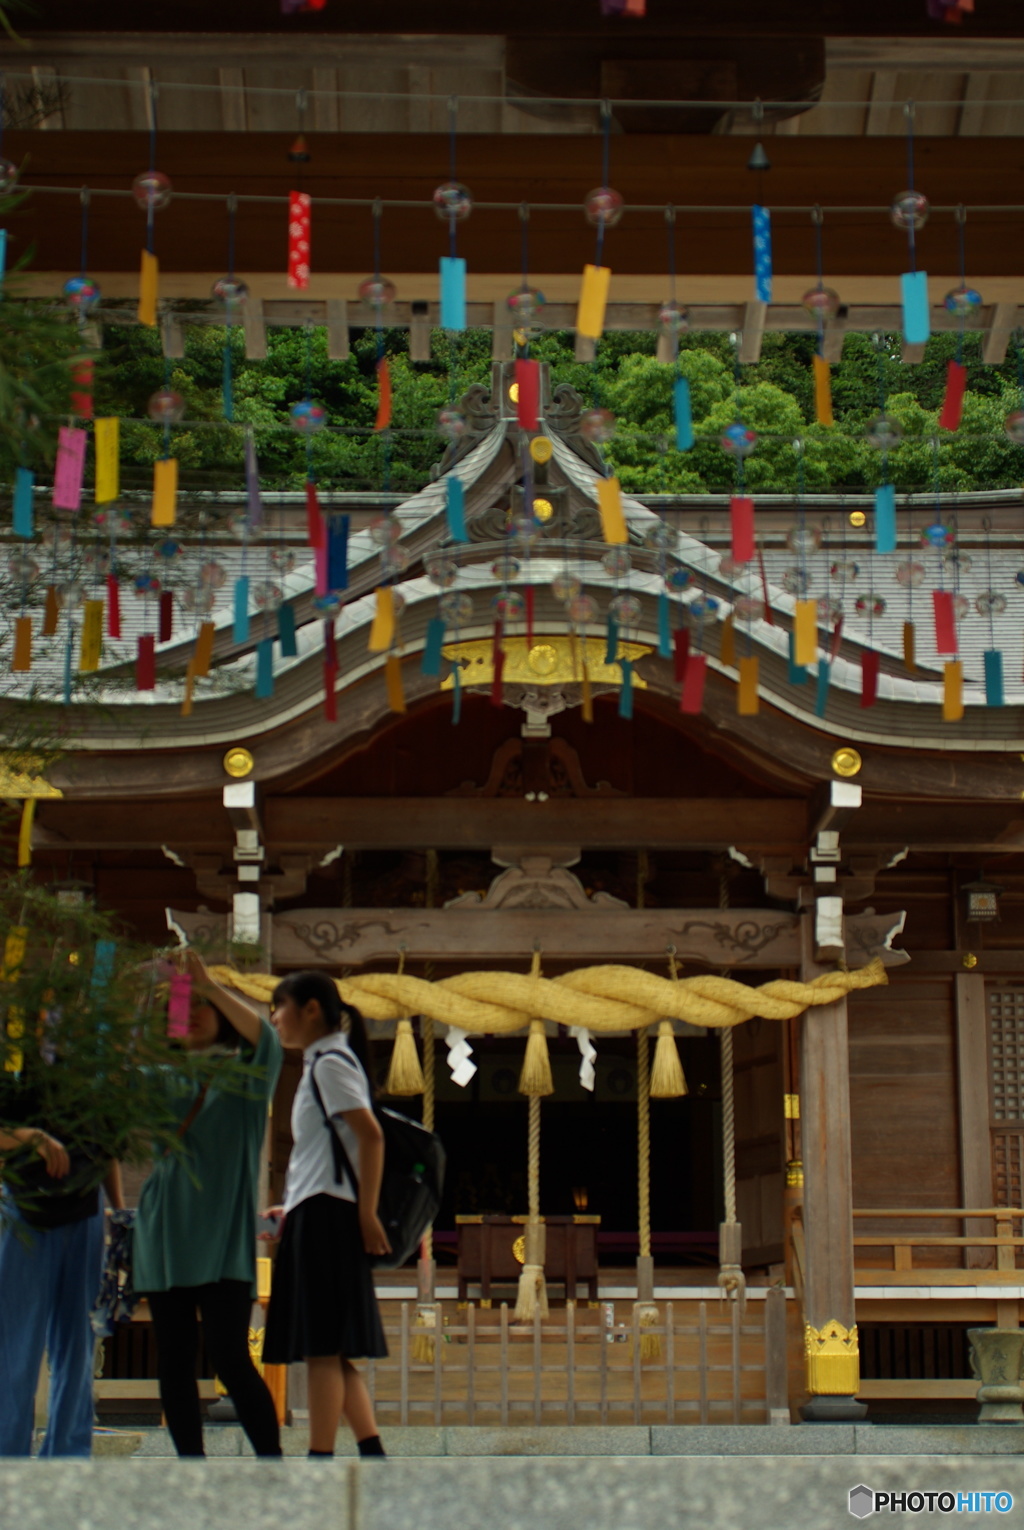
(903, 1098)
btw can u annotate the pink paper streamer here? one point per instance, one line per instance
(68, 469)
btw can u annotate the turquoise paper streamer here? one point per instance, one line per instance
(286, 632)
(611, 647)
(103, 965)
(762, 222)
(917, 324)
(683, 413)
(456, 510)
(23, 482)
(664, 630)
(456, 697)
(430, 664)
(240, 631)
(885, 518)
(3, 252)
(453, 292)
(626, 693)
(824, 681)
(797, 672)
(264, 686)
(994, 694)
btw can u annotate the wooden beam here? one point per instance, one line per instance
(1002, 323)
(337, 329)
(911, 352)
(172, 336)
(880, 114)
(752, 332)
(420, 329)
(255, 330)
(232, 100)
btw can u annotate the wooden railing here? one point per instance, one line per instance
(904, 1243)
(579, 1368)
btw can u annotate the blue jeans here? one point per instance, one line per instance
(49, 1280)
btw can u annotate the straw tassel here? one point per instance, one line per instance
(535, 1079)
(405, 1076)
(424, 1331)
(668, 1081)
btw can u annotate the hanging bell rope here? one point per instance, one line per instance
(424, 1335)
(732, 1282)
(645, 1312)
(535, 1081)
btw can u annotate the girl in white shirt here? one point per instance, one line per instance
(323, 1308)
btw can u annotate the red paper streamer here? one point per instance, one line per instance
(383, 395)
(837, 638)
(298, 239)
(953, 403)
(145, 663)
(330, 649)
(330, 695)
(681, 652)
(945, 622)
(81, 388)
(113, 607)
(741, 515)
(496, 684)
(314, 520)
(528, 397)
(528, 603)
(868, 678)
(166, 616)
(692, 699)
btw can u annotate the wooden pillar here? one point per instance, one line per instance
(830, 1326)
(975, 1133)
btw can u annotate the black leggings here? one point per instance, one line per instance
(225, 1307)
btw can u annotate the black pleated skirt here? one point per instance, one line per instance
(322, 1301)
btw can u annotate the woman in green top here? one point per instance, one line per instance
(194, 1247)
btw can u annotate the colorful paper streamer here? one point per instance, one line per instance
(24, 482)
(917, 323)
(68, 468)
(741, 521)
(453, 292)
(145, 662)
(761, 220)
(383, 419)
(165, 492)
(107, 444)
(455, 508)
(682, 410)
(995, 693)
(92, 637)
(868, 677)
(613, 519)
(286, 631)
(149, 281)
(945, 622)
(952, 411)
(240, 624)
(299, 239)
(527, 394)
(382, 629)
(952, 691)
(823, 391)
(748, 702)
(593, 301)
(692, 700)
(264, 686)
(885, 518)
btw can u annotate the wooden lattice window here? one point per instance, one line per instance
(1006, 1077)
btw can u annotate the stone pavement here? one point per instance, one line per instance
(620, 1492)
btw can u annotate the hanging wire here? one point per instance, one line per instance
(85, 199)
(453, 129)
(227, 380)
(961, 241)
(818, 219)
(606, 153)
(670, 235)
(911, 239)
(151, 201)
(986, 526)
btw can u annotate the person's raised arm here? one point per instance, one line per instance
(244, 1019)
(366, 1129)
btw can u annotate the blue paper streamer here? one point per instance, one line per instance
(797, 672)
(24, 480)
(456, 697)
(626, 693)
(337, 552)
(762, 223)
(264, 686)
(286, 632)
(453, 292)
(254, 511)
(917, 323)
(994, 693)
(430, 664)
(611, 647)
(824, 681)
(683, 413)
(885, 518)
(240, 631)
(455, 507)
(664, 628)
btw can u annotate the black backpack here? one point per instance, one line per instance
(410, 1192)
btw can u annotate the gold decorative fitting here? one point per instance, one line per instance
(543, 510)
(551, 661)
(21, 778)
(542, 659)
(519, 1249)
(541, 449)
(832, 1354)
(513, 393)
(857, 518)
(969, 960)
(846, 762)
(791, 1107)
(238, 763)
(795, 1174)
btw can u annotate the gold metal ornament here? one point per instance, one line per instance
(858, 518)
(543, 510)
(541, 449)
(791, 1107)
(519, 1249)
(513, 393)
(969, 960)
(832, 1354)
(238, 763)
(795, 1174)
(551, 661)
(542, 659)
(846, 762)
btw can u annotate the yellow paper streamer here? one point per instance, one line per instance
(953, 691)
(393, 680)
(747, 700)
(382, 630)
(28, 813)
(609, 502)
(21, 656)
(727, 642)
(165, 491)
(107, 439)
(190, 685)
(593, 300)
(149, 277)
(805, 631)
(202, 658)
(92, 636)
(909, 646)
(822, 391)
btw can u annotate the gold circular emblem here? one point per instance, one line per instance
(542, 659)
(543, 510)
(846, 762)
(970, 960)
(238, 763)
(857, 518)
(519, 1250)
(513, 393)
(541, 449)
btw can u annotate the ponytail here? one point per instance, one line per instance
(338, 1016)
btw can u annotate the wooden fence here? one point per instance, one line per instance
(581, 1366)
